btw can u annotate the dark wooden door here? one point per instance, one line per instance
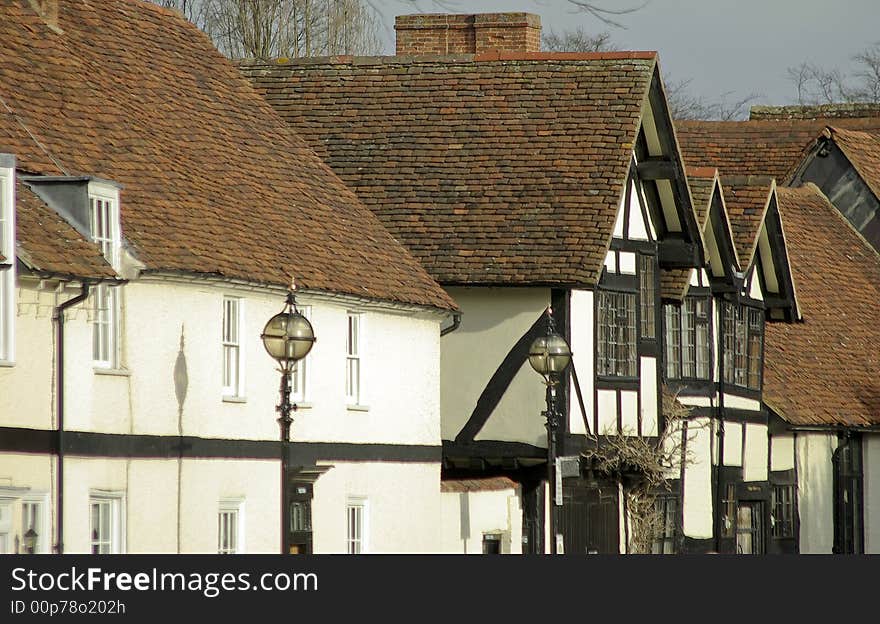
(589, 520)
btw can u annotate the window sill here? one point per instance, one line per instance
(234, 399)
(113, 372)
(302, 406)
(358, 408)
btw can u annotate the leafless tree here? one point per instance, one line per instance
(683, 104)
(284, 28)
(643, 469)
(819, 85)
(578, 40)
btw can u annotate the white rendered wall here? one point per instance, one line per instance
(493, 320)
(755, 452)
(25, 476)
(815, 491)
(402, 502)
(399, 370)
(467, 516)
(582, 350)
(697, 503)
(400, 379)
(782, 452)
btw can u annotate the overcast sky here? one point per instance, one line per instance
(738, 46)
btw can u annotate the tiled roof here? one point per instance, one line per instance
(489, 484)
(214, 181)
(772, 148)
(47, 244)
(500, 169)
(863, 151)
(823, 371)
(746, 199)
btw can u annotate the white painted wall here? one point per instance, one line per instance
(399, 369)
(755, 452)
(493, 320)
(467, 516)
(815, 491)
(402, 500)
(583, 356)
(697, 503)
(733, 443)
(401, 405)
(782, 452)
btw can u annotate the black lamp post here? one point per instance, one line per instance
(288, 337)
(550, 355)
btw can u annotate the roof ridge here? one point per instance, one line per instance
(427, 59)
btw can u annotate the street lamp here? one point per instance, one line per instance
(550, 355)
(288, 337)
(30, 541)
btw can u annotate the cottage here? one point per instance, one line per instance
(154, 211)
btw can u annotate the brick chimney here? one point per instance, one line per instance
(48, 10)
(443, 33)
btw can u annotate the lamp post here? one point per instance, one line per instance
(288, 337)
(550, 355)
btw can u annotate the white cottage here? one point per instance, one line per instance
(153, 211)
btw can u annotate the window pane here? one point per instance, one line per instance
(756, 331)
(703, 345)
(616, 343)
(688, 356)
(673, 341)
(647, 295)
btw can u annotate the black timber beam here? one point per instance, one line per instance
(676, 253)
(657, 168)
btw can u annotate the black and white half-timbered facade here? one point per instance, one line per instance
(714, 363)
(522, 181)
(818, 375)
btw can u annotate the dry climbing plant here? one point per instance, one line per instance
(643, 468)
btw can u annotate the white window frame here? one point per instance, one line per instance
(114, 503)
(41, 503)
(354, 350)
(299, 380)
(232, 348)
(234, 508)
(105, 326)
(357, 516)
(7, 275)
(105, 230)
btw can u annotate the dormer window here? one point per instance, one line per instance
(105, 228)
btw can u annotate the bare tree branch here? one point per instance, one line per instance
(577, 40)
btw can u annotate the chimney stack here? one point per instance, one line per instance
(48, 10)
(442, 33)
